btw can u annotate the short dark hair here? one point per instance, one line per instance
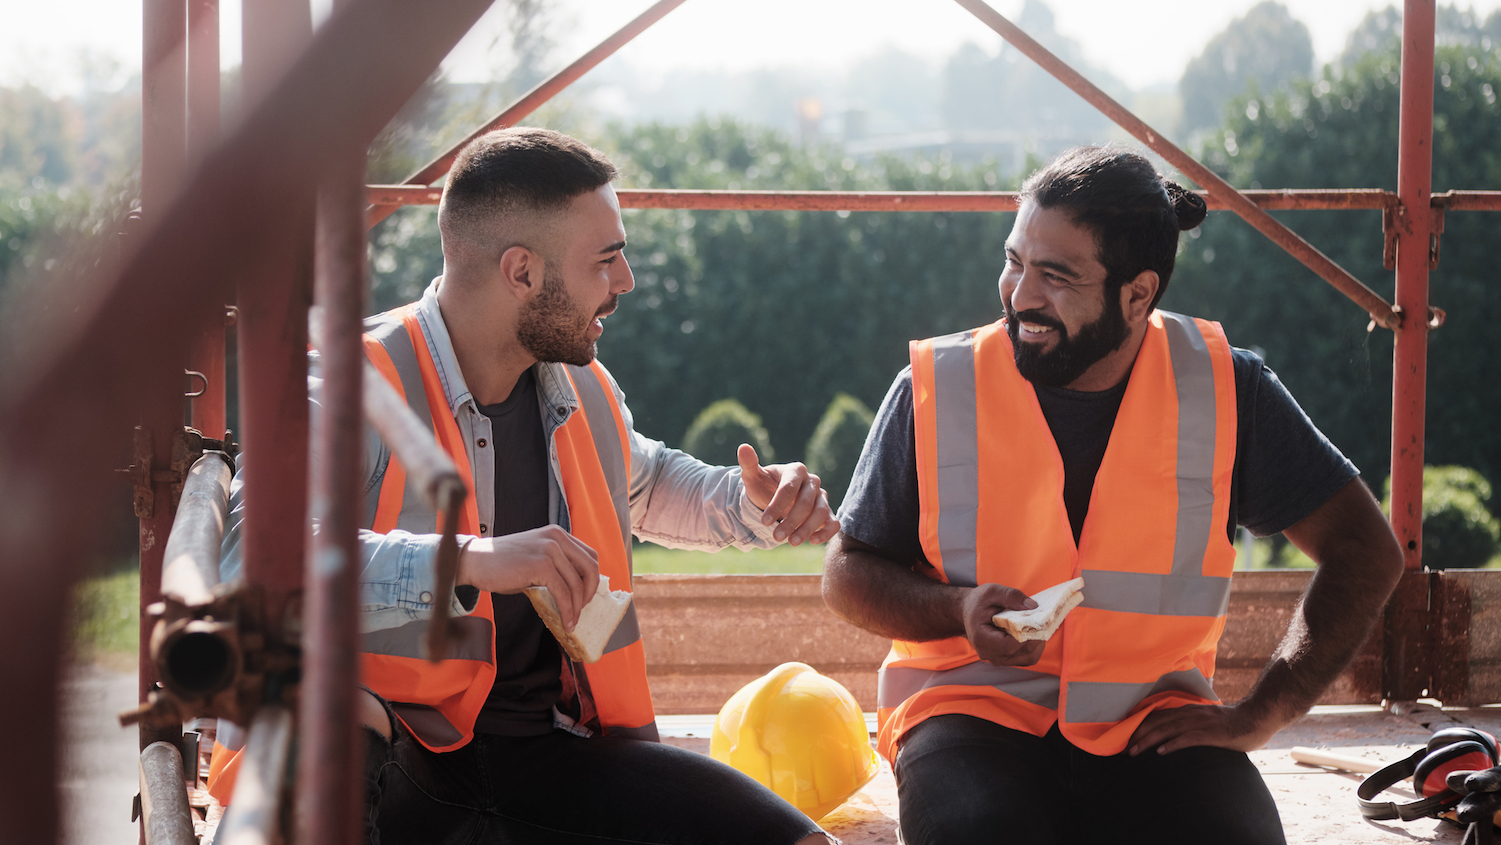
(519, 169)
(1134, 213)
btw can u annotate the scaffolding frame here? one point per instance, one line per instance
(272, 216)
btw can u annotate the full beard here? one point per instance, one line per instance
(1072, 355)
(551, 327)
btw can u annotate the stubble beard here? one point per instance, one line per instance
(551, 327)
(1072, 355)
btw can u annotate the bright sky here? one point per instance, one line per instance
(1142, 42)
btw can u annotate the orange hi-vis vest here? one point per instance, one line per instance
(439, 702)
(1154, 553)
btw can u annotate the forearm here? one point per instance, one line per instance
(888, 598)
(680, 502)
(1359, 565)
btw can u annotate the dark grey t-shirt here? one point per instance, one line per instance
(1284, 466)
(528, 664)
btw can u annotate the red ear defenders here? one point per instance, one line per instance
(1448, 750)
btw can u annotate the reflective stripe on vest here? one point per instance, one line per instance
(440, 702)
(437, 702)
(1154, 553)
(594, 455)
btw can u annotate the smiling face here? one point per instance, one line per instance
(1066, 328)
(582, 282)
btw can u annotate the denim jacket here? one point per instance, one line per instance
(675, 499)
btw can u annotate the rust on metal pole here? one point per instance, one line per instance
(117, 333)
(330, 754)
(271, 329)
(163, 165)
(1379, 309)
(716, 200)
(165, 817)
(535, 98)
(1414, 222)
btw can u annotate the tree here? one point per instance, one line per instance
(717, 433)
(1459, 531)
(1267, 48)
(784, 309)
(1341, 131)
(1381, 30)
(1008, 91)
(835, 446)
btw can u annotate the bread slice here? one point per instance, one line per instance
(586, 642)
(1039, 623)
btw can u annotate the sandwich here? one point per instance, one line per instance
(586, 642)
(1040, 622)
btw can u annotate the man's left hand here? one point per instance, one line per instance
(790, 497)
(1222, 726)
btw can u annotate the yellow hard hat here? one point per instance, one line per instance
(800, 734)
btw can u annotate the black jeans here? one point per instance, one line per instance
(966, 780)
(564, 789)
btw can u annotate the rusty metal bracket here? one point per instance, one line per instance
(219, 660)
(188, 446)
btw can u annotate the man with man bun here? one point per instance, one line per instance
(1090, 435)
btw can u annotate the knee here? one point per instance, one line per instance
(372, 714)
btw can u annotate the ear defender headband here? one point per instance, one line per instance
(1448, 750)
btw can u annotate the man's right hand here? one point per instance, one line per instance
(542, 557)
(994, 645)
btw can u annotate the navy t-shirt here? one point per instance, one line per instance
(528, 663)
(1284, 466)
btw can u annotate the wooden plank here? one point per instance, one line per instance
(708, 635)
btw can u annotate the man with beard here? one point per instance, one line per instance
(1090, 435)
(509, 740)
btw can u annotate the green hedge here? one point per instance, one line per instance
(836, 443)
(720, 429)
(1459, 531)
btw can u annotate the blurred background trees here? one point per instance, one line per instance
(802, 318)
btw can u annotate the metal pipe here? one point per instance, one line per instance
(116, 336)
(440, 631)
(1468, 200)
(203, 118)
(429, 469)
(159, 412)
(330, 754)
(1380, 310)
(534, 99)
(255, 814)
(204, 112)
(165, 816)
(716, 200)
(271, 330)
(1415, 226)
(191, 560)
(195, 655)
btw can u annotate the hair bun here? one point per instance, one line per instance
(1187, 205)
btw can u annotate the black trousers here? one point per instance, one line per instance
(961, 780)
(559, 788)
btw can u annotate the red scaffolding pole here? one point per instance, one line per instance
(163, 160)
(1415, 232)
